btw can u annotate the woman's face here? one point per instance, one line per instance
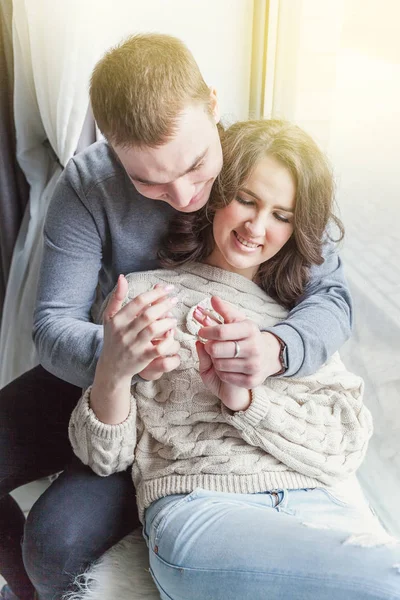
(258, 222)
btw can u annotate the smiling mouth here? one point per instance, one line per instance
(245, 242)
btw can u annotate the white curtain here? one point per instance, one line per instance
(56, 44)
(50, 104)
(337, 74)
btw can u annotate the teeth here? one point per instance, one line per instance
(245, 242)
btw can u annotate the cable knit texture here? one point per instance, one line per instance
(298, 432)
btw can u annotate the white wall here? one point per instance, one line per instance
(218, 32)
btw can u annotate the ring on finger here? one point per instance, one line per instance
(237, 350)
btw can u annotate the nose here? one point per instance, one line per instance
(256, 227)
(180, 192)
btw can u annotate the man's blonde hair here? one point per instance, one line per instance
(140, 87)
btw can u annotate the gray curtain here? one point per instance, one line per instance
(14, 189)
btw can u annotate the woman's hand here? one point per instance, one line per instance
(259, 351)
(139, 333)
(235, 398)
(135, 338)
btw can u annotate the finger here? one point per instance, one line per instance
(116, 299)
(136, 306)
(205, 362)
(144, 316)
(168, 347)
(155, 330)
(227, 349)
(204, 317)
(149, 320)
(227, 331)
(228, 311)
(159, 366)
(232, 365)
(167, 333)
(239, 379)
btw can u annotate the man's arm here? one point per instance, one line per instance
(312, 332)
(67, 342)
(321, 322)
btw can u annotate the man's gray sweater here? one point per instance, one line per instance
(99, 226)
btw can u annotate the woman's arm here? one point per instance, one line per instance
(103, 447)
(317, 426)
(103, 425)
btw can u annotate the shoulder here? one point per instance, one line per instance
(95, 178)
(94, 165)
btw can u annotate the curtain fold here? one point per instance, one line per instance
(14, 189)
(49, 106)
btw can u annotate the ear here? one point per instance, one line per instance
(214, 105)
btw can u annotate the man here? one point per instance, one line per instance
(109, 211)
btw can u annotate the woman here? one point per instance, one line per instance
(242, 493)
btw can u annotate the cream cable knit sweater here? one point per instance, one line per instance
(305, 432)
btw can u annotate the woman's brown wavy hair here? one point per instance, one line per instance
(285, 275)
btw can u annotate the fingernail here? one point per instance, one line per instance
(169, 287)
(173, 300)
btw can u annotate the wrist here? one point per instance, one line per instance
(246, 402)
(281, 354)
(107, 375)
(238, 400)
(110, 397)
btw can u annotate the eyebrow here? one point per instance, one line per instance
(194, 164)
(250, 193)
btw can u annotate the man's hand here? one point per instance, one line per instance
(259, 351)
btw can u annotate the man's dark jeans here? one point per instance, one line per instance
(79, 517)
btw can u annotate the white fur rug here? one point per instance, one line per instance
(122, 574)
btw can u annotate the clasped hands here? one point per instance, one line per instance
(139, 338)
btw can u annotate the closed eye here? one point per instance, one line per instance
(245, 202)
(198, 166)
(143, 183)
(281, 218)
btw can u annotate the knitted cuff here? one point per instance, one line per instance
(257, 411)
(98, 428)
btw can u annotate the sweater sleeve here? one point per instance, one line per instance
(68, 343)
(104, 448)
(321, 322)
(318, 427)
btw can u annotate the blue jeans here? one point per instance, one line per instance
(79, 517)
(73, 523)
(287, 545)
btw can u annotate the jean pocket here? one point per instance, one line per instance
(335, 499)
(165, 515)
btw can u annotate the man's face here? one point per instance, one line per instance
(182, 171)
